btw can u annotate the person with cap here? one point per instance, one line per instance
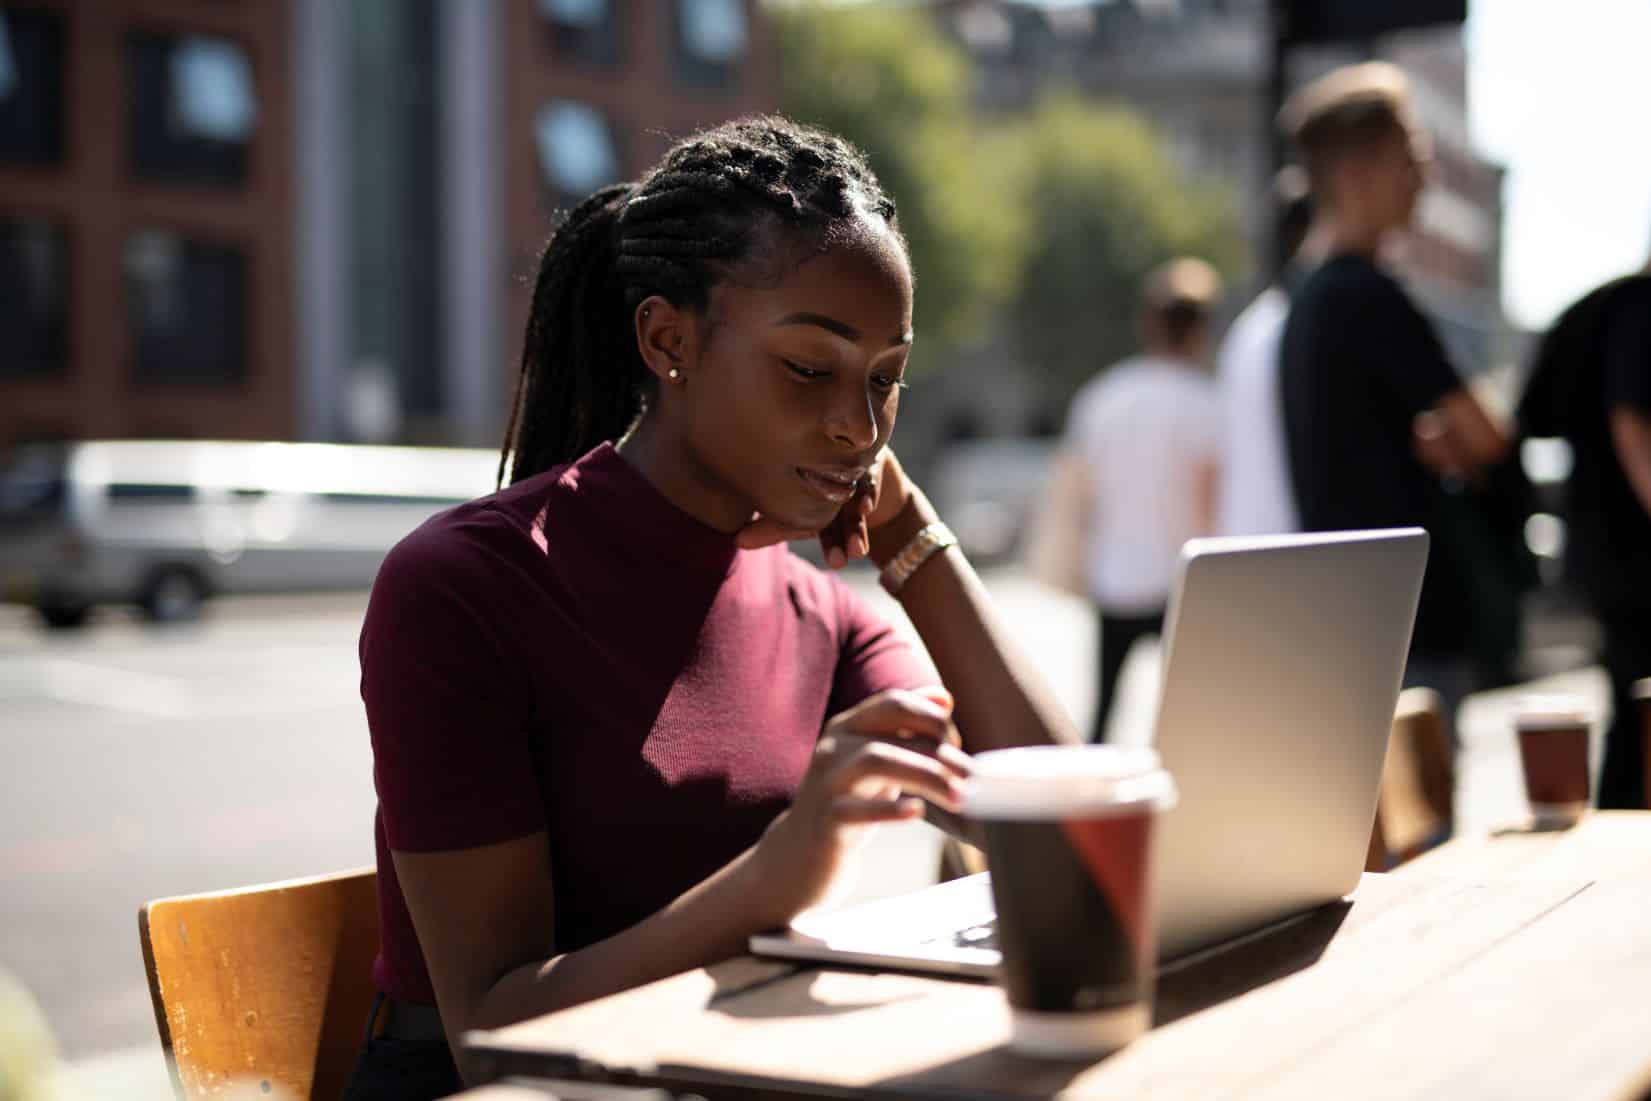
(1145, 435)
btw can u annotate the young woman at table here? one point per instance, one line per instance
(617, 727)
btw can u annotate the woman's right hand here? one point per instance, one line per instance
(875, 762)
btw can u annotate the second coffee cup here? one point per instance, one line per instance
(1068, 834)
(1553, 753)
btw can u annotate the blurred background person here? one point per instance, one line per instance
(1145, 435)
(1591, 384)
(1255, 496)
(1360, 365)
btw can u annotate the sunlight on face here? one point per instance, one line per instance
(799, 379)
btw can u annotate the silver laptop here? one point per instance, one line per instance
(1283, 657)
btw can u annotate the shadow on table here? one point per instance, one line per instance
(1533, 828)
(992, 1073)
(1208, 978)
(797, 1000)
(1185, 987)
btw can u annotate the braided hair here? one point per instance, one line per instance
(699, 215)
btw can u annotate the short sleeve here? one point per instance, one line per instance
(1406, 354)
(1628, 356)
(872, 656)
(446, 707)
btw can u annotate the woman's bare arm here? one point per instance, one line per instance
(476, 947)
(1001, 698)
(1631, 438)
(485, 916)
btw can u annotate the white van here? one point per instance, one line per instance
(166, 524)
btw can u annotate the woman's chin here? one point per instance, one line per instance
(800, 513)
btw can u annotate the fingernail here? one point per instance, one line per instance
(860, 545)
(938, 695)
(837, 558)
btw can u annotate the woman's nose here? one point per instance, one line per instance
(852, 421)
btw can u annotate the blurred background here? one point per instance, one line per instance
(313, 222)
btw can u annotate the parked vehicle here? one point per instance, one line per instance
(165, 525)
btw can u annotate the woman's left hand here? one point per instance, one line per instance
(879, 498)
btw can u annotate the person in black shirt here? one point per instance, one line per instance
(1374, 413)
(1606, 392)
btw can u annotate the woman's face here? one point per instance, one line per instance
(793, 385)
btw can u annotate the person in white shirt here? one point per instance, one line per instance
(1256, 497)
(1146, 433)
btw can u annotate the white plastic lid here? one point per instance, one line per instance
(1063, 781)
(1538, 712)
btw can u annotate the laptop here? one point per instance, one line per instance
(1283, 658)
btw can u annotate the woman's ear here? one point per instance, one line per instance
(665, 337)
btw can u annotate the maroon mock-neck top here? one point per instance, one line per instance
(578, 656)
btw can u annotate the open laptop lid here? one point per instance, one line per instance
(1283, 658)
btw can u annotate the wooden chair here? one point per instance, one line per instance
(1418, 794)
(1642, 698)
(269, 984)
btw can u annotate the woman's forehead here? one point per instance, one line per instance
(861, 278)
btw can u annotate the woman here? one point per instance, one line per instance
(617, 727)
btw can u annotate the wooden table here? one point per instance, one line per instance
(1514, 966)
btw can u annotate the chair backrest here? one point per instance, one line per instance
(269, 984)
(1417, 803)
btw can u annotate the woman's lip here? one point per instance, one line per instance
(829, 488)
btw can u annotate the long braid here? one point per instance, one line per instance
(678, 233)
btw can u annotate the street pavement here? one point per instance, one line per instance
(144, 761)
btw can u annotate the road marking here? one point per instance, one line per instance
(80, 682)
(92, 684)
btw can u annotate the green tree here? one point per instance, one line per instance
(1104, 204)
(886, 79)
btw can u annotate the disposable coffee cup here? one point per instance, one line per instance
(1068, 833)
(1553, 752)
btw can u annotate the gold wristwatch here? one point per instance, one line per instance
(929, 539)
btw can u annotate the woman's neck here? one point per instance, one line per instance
(668, 465)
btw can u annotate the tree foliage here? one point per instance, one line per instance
(1104, 205)
(884, 78)
(1043, 223)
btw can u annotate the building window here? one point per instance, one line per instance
(186, 302)
(585, 30)
(577, 154)
(194, 109)
(32, 290)
(31, 87)
(711, 40)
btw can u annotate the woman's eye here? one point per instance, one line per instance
(802, 372)
(886, 383)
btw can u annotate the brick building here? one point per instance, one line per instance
(311, 219)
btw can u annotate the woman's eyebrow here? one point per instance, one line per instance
(829, 324)
(832, 325)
